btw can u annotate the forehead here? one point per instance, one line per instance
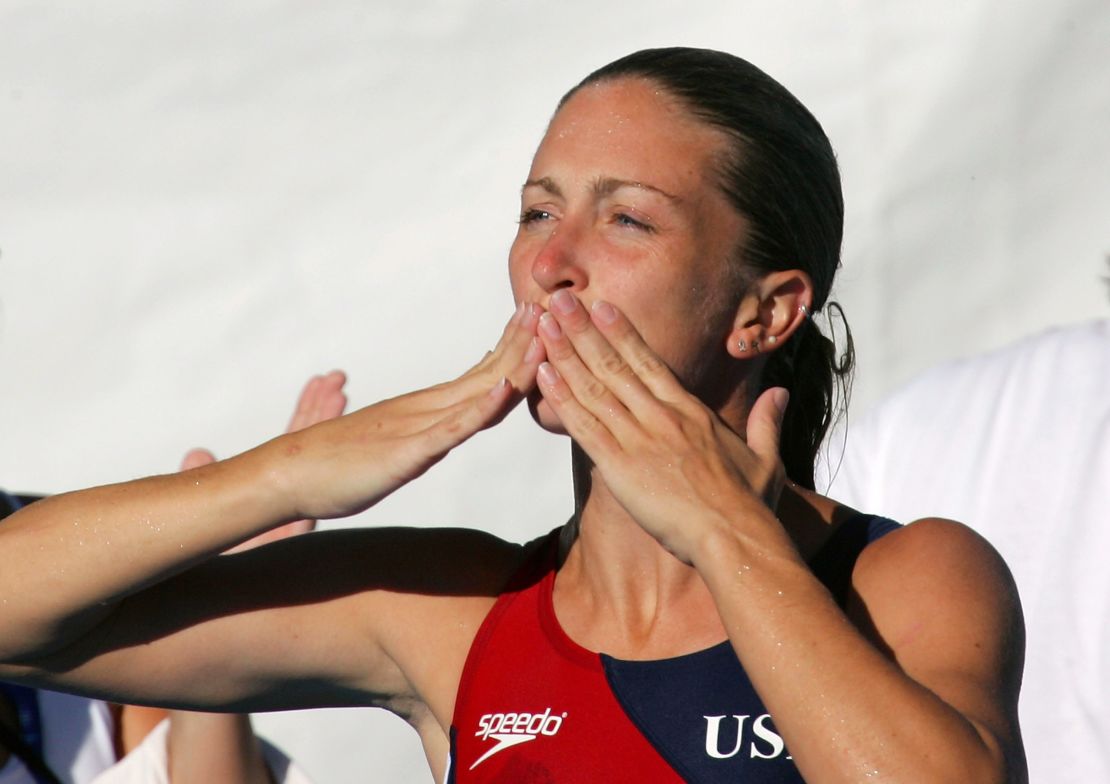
(630, 129)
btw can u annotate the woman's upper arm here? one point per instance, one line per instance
(942, 604)
(330, 618)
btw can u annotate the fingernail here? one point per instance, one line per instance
(550, 326)
(535, 350)
(780, 397)
(605, 312)
(563, 301)
(547, 373)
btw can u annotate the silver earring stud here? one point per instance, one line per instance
(804, 311)
(772, 339)
(742, 345)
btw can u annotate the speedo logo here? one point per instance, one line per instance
(512, 729)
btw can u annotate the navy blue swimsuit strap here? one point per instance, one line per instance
(834, 562)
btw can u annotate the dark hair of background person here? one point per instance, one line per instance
(10, 738)
(9, 503)
(781, 174)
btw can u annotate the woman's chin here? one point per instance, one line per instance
(544, 414)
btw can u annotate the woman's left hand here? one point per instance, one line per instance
(673, 464)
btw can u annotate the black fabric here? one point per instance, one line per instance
(452, 756)
(834, 563)
(9, 739)
(28, 756)
(10, 502)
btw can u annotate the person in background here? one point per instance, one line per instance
(48, 737)
(1016, 442)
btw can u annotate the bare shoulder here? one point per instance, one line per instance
(940, 601)
(934, 579)
(934, 558)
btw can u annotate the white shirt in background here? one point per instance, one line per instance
(1016, 444)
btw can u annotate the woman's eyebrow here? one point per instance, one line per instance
(602, 186)
(605, 186)
(546, 183)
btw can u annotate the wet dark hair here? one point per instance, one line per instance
(780, 173)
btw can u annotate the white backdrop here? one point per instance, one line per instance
(202, 204)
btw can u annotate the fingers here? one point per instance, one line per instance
(611, 353)
(606, 385)
(522, 377)
(567, 379)
(514, 360)
(518, 354)
(594, 435)
(456, 424)
(321, 399)
(651, 371)
(765, 423)
(195, 458)
(515, 357)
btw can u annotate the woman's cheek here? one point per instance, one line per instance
(520, 266)
(544, 414)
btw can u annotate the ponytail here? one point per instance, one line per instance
(819, 383)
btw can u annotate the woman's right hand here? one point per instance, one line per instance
(106, 544)
(345, 465)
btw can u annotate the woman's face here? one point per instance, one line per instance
(622, 204)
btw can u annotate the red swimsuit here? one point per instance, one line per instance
(534, 706)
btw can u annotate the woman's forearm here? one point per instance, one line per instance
(847, 712)
(208, 747)
(69, 558)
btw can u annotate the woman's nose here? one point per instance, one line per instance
(558, 264)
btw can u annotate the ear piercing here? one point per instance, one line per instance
(742, 344)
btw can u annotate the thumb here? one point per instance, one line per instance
(765, 423)
(195, 458)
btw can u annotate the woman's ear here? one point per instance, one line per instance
(769, 312)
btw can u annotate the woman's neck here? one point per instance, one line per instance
(619, 591)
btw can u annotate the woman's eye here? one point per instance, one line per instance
(533, 216)
(624, 219)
